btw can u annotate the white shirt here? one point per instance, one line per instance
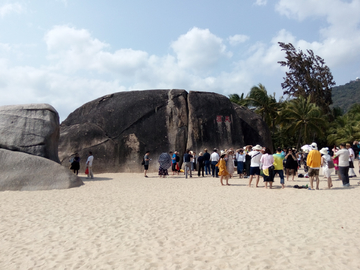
(343, 155)
(214, 157)
(240, 157)
(255, 158)
(89, 161)
(351, 152)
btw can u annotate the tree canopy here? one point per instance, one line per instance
(308, 76)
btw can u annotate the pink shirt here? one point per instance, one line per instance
(267, 161)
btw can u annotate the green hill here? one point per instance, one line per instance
(344, 96)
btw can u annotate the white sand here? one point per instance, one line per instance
(126, 221)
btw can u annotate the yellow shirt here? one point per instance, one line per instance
(314, 159)
(222, 167)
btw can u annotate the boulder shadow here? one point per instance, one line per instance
(84, 179)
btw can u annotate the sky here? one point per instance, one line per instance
(69, 52)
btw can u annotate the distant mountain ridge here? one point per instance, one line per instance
(344, 96)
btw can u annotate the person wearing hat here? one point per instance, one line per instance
(255, 155)
(344, 156)
(314, 162)
(327, 164)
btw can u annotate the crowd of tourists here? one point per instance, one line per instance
(254, 161)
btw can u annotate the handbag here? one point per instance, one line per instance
(330, 164)
(87, 170)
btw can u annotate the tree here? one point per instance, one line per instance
(308, 76)
(240, 100)
(304, 118)
(345, 128)
(264, 104)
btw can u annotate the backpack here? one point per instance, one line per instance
(330, 164)
(143, 161)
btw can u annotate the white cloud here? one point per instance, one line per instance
(11, 8)
(340, 38)
(75, 49)
(261, 2)
(199, 49)
(238, 39)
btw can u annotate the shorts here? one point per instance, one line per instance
(313, 172)
(146, 167)
(254, 171)
(173, 167)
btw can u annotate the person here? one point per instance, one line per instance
(343, 155)
(306, 168)
(247, 160)
(177, 162)
(214, 158)
(240, 157)
(75, 164)
(299, 158)
(267, 162)
(164, 164)
(314, 163)
(187, 161)
(255, 155)
(326, 160)
(279, 165)
(336, 162)
(290, 164)
(146, 162)
(201, 164)
(230, 162)
(89, 164)
(173, 162)
(207, 162)
(193, 161)
(351, 160)
(222, 170)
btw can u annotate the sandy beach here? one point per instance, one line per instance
(126, 221)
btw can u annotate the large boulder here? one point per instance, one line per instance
(120, 127)
(213, 122)
(32, 129)
(254, 128)
(21, 171)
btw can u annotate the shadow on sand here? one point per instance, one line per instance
(84, 179)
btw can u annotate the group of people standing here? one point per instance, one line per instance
(256, 161)
(75, 164)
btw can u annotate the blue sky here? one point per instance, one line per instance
(69, 52)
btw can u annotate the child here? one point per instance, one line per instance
(222, 170)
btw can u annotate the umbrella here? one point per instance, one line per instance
(306, 147)
(165, 161)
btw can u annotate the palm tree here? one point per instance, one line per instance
(344, 129)
(240, 100)
(264, 104)
(303, 118)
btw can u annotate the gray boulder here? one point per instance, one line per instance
(120, 127)
(213, 122)
(255, 130)
(32, 129)
(21, 171)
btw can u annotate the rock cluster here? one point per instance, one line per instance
(29, 136)
(120, 127)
